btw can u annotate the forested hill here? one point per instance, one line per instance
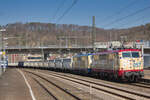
(35, 34)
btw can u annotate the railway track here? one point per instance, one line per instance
(142, 84)
(139, 85)
(44, 87)
(48, 86)
(146, 81)
(109, 89)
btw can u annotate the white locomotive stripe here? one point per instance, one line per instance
(27, 83)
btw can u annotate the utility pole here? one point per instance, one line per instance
(26, 39)
(3, 55)
(2, 42)
(93, 33)
(110, 36)
(2, 30)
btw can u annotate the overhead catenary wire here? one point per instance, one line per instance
(67, 10)
(132, 21)
(125, 17)
(58, 9)
(120, 11)
(127, 6)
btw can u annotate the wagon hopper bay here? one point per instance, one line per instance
(125, 64)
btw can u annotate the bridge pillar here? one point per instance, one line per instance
(46, 55)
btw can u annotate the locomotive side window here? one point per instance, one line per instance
(135, 54)
(126, 54)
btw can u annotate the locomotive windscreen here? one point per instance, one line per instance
(126, 54)
(135, 54)
(131, 54)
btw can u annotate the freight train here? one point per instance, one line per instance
(125, 64)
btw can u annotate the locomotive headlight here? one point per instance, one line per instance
(138, 64)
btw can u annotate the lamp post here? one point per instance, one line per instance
(2, 30)
(4, 43)
(3, 55)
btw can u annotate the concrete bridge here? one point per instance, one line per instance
(65, 49)
(52, 49)
(16, 54)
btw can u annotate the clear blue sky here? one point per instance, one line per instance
(105, 11)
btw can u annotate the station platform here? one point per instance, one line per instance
(13, 86)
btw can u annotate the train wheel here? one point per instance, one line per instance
(131, 78)
(136, 78)
(103, 76)
(110, 77)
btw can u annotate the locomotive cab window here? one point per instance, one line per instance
(126, 54)
(135, 54)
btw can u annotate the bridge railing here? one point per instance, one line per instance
(54, 46)
(146, 44)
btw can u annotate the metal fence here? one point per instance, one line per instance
(145, 44)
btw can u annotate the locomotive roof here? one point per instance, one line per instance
(129, 50)
(114, 51)
(106, 52)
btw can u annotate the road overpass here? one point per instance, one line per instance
(16, 54)
(52, 49)
(60, 49)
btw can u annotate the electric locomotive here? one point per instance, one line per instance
(126, 64)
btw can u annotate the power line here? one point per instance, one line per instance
(67, 10)
(59, 7)
(136, 20)
(126, 7)
(120, 11)
(122, 18)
